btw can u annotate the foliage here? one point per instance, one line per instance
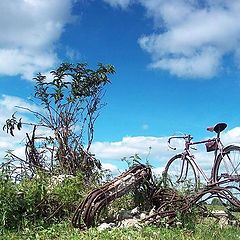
(12, 123)
(141, 194)
(40, 200)
(71, 101)
(135, 160)
(10, 201)
(188, 219)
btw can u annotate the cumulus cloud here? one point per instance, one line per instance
(129, 146)
(7, 142)
(10, 103)
(111, 152)
(191, 37)
(153, 149)
(119, 3)
(29, 30)
(25, 62)
(112, 168)
(231, 136)
(203, 64)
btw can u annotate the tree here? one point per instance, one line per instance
(71, 103)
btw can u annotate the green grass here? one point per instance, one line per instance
(65, 231)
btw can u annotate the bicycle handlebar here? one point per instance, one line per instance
(173, 148)
(187, 138)
(188, 143)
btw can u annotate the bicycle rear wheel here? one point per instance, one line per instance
(181, 175)
(227, 171)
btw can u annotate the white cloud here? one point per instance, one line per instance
(111, 167)
(157, 171)
(29, 30)
(160, 153)
(191, 37)
(129, 146)
(25, 62)
(204, 64)
(119, 3)
(72, 54)
(9, 103)
(231, 136)
(8, 142)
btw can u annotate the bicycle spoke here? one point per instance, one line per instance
(230, 160)
(181, 174)
(227, 170)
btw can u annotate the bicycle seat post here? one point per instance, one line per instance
(218, 135)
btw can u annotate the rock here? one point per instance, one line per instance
(135, 211)
(223, 222)
(178, 224)
(142, 216)
(130, 223)
(124, 214)
(153, 211)
(223, 217)
(233, 223)
(104, 226)
(220, 213)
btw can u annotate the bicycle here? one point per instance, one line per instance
(183, 171)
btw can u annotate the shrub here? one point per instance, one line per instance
(10, 202)
(37, 200)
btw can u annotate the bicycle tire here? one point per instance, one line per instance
(188, 182)
(227, 170)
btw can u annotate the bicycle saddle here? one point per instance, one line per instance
(217, 128)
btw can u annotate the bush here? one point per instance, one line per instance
(40, 200)
(10, 202)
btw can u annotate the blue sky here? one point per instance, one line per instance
(177, 66)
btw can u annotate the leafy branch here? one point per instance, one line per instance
(71, 100)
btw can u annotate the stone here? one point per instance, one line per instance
(130, 223)
(135, 211)
(124, 214)
(104, 226)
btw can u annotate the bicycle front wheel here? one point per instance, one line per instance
(180, 174)
(227, 170)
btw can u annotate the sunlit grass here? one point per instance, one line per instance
(66, 231)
